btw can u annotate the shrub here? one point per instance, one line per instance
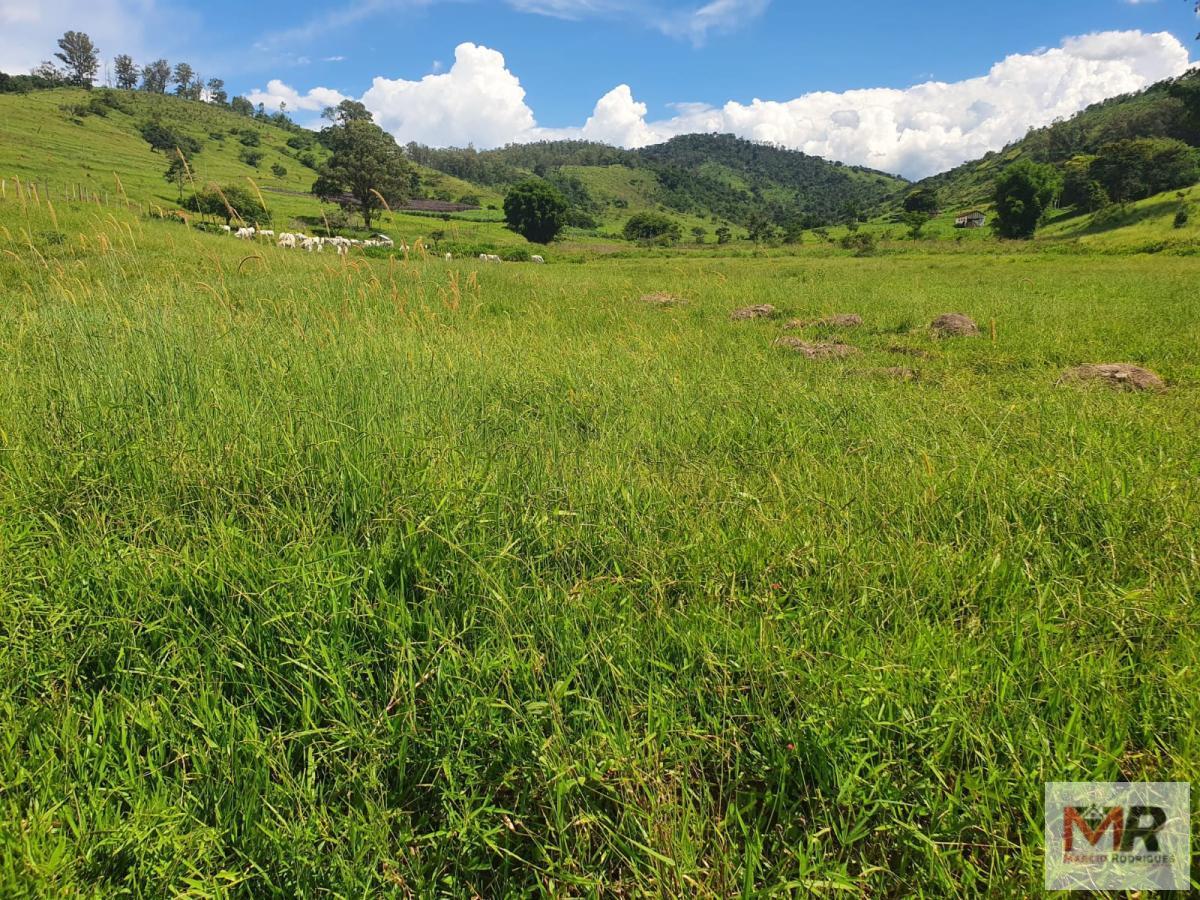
(250, 156)
(278, 171)
(160, 137)
(224, 203)
(652, 227)
(517, 254)
(249, 138)
(1181, 217)
(861, 242)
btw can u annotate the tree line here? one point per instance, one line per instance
(77, 63)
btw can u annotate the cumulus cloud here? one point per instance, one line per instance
(477, 101)
(914, 131)
(278, 94)
(933, 126)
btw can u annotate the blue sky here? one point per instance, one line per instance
(539, 67)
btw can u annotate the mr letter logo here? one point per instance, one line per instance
(1106, 837)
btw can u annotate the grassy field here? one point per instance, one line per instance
(43, 141)
(354, 577)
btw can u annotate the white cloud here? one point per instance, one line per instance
(276, 93)
(477, 101)
(915, 131)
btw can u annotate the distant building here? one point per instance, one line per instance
(973, 219)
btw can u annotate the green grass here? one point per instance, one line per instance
(363, 577)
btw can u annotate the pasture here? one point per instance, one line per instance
(358, 576)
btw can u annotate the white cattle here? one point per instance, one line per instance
(538, 260)
(245, 234)
(449, 257)
(226, 229)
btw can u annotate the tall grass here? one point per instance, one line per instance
(406, 578)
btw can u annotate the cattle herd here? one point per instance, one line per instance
(342, 245)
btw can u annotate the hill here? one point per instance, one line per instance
(71, 140)
(700, 175)
(1169, 109)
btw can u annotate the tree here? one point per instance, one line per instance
(724, 235)
(923, 200)
(80, 56)
(346, 112)
(366, 168)
(241, 106)
(182, 77)
(1139, 168)
(536, 210)
(761, 229)
(1024, 193)
(916, 220)
(156, 76)
(229, 202)
(653, 227)
(49, 73)
(216, 92)
(699, 232)
(177, 173)
(126, 72)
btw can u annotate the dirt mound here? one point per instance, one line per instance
(954, 325)
(1119, 375)
(663, 299)
(818, 350)
(763, 311)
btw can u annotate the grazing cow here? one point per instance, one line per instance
(449, 257)
(245, 234)
(538, 260)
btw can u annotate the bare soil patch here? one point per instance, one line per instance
(1122, 376)
(762, 311)
(817, 349)
(954, 325)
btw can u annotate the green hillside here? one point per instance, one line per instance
(1169, 109)
(699, 176)
(70, 139)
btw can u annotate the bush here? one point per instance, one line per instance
(652, 227)
(251, 157)
(278, 171)
(861, 242)
(224, 203)
(249, 138)
(517, 254)
(1181, 217)
(160, 137)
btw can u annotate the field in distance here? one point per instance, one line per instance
(403, 576)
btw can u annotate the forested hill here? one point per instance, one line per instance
(706, 175)
(1168, 110)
